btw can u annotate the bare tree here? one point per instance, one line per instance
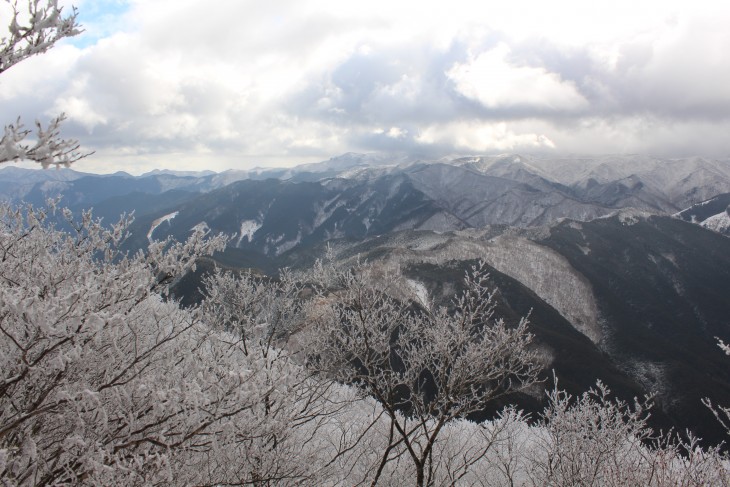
(260, 313)
(722, 413)
(102, 381)
(589, 440)
(593, 440)
(34, 31)
(425, 367)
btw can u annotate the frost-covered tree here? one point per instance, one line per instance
(104, 382)
(34, 30)
(426, 367)
(589, 440)
(722, 413)
(593, 440)
(297, 412)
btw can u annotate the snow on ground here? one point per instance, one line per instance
(719, 223)
(160, 221)
(325, 210)
(248, 228)
(551, 277)
(290, 244)
(420, 292)
(202, 226)
(632, 216)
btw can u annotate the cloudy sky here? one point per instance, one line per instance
(193, 84)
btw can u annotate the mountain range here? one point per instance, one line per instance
(621, 262)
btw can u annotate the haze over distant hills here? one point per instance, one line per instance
(455, 193)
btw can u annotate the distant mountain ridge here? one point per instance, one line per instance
(662, 183)
(445, 195)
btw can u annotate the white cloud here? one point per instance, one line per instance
(479, 137)
(496, 83)
(78, 110)
(396, 133)
(238, 83)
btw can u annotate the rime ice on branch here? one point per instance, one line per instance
(29, 33)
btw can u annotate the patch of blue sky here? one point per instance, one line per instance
(99, 19)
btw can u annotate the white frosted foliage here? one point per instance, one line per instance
(32, 32)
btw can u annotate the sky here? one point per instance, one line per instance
(193, 85)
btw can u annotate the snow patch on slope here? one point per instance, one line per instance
(719, 223)
(551, 277)
(326, 210)
(544, 271)
(287, 245)
(200, 227)
(420, 292)
(632, 216)
(160, 221)
(248, 229)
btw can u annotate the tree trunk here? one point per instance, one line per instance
(420, 478)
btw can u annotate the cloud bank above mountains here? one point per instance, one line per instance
(194, 85)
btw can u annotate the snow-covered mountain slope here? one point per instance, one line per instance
(511, 189)
(539, 268)
(437, 196)
(719, 223)
(681, 182)
(705, 209)
(351, 161)
(481, 199)
(508, 166)
(712, 214)
(9, 173)
(16, 182)
(273, 217)
(170, 172)
(551, 277)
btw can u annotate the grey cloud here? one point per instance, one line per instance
(407, 145)
(680, 78)
(390, 86)
(410, 85)
(666, 93)
(362, 94)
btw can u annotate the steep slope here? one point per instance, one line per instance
(539, 268)
(577, 362)
(704, 210)
(719, 223)
(433, 265)
(648, 294)
(661, 287)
